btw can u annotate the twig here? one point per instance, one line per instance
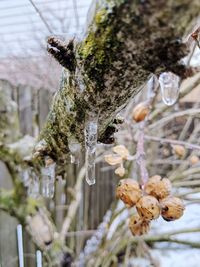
(41, 16)
(73, 205)
(159, 123)
(186, 183)
(171, 141)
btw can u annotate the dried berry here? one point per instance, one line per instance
(120, 171)
(148, 208)
(140, 112)
(172, 208)
(129, 192)
(121, 150)
(158, 187)
(138, 226)
(113, 159)
(179, 151)
(194, 160)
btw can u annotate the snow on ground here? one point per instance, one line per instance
(174, 255)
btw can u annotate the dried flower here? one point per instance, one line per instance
(179, 151)
(113, 159)
(194, 159)
(158, 187)
(121, 150)
(138, 226)
(148, 208)
(172, 208)
(140, 112)
(120, 171)
(129, 192)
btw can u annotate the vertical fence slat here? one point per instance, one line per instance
(20, 245)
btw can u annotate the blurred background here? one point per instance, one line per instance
(29, 77)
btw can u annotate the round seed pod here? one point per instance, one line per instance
(140, 112)
(148, 208)
(158, 187)
(129, 192)
(179, 151)
(171, 208)
(194, 159)
(138, 226)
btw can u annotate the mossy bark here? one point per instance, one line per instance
(125, 43)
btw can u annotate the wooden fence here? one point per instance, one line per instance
(33, 106)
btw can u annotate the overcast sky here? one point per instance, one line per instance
(22, 29)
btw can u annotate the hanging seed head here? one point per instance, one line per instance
(140, 112)
(148, 208)
(129, 192)
(120, 171)
(113, 159)
(171, 208)
(194, 159)
(179, 151)
(138, 226)
(158, 187)
(121, 150)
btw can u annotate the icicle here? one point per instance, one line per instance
(75, 149)
(90, 148)
(79, 80)
(48, 178)
(33, 184)
(25, 177)
(152, 85)
(169, 85)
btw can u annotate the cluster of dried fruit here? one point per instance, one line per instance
(151, 202)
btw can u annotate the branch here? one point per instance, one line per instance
(124, 44)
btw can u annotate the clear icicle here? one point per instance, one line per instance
(90, 149)
(25, 177)
(75, 148)
(33, 184)
(48, 178)
(169, 85)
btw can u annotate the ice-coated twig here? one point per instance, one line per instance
(90, 133)
(93, 243)
(140, 155)
(171, 141)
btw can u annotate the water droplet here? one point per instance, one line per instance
(169, 85)
(90, 148)
(48, 178)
